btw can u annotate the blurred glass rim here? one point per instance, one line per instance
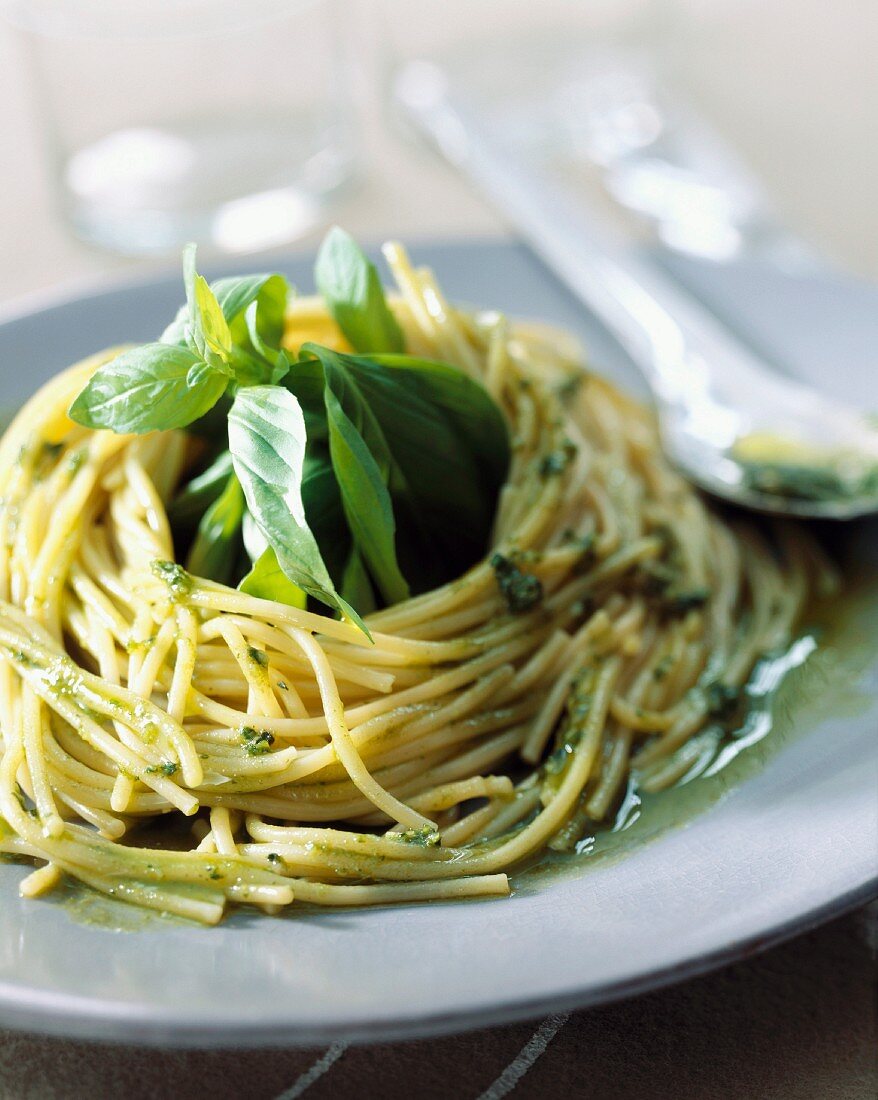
(134, 19)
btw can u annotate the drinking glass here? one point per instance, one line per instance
(229, 122)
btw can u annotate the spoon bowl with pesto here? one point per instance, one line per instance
(733, 424)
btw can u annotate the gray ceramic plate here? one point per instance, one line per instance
(782, 845)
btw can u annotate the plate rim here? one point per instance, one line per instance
(113, 1023)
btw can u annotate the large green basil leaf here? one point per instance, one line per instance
(353, 293)
(267, 439)
(149, 388)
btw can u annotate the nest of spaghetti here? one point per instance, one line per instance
(604, 641)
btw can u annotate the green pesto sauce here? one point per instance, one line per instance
(784, 467)
(824, 680)
(89, 907)
(178, 581)
(522, 591)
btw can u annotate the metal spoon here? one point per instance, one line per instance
(710, 390)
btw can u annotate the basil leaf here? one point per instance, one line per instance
(356, 586)
(281, 368)
(267, 441)
(324, 510)
(464, 404)
(351, 509)
(234, 296)
(451, 453)
(149, 388)
(250, 369)
(216, 549)
(212, 324)
(366, 500)
(207, 331)
(269, 355)
(269, 582)
(353, 293)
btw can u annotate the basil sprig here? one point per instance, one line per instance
(207, 348)
(353, 479)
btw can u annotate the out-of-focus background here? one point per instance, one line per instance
(791, 85)
(106, 107)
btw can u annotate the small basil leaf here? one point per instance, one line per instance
(215, 551)
(201, 373)
(193, 337)
(211, 321)
(366, 501)
(281, 368)
(208, 330)
(271, 355)
(267, 441)
(353, 293)
(267, 581)
(249, 368)
(148, 389)
(251, 323)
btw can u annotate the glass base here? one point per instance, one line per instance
(232, 184)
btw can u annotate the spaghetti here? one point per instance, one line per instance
(615, 619)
